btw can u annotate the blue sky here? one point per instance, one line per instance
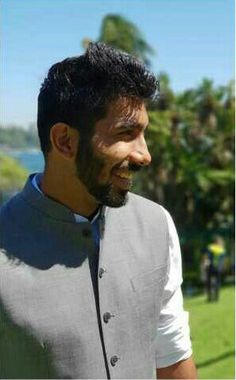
(192, 39)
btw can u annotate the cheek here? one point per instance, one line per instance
(110, 159)
(111, 155)
(117, 152)
(110, 149)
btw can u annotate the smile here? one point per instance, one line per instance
(124, 175)
(122, 180)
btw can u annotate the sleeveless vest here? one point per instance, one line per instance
(48, 317)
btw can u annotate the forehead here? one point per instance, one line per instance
(128, 109)
(124, 110)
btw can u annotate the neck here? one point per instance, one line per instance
(64, 187)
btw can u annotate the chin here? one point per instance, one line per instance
(117, 203)
(114, 199)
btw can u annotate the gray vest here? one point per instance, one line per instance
(48, 317)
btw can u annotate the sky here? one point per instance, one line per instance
(192, 39)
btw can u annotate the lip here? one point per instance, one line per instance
(124, 183)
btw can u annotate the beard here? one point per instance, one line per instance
(89, 166)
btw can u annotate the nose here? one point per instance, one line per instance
(140, 154)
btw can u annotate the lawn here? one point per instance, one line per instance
(213, 334)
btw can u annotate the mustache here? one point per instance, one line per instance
(134, 167)
(130, 167)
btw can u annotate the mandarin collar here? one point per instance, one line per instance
(51, 207)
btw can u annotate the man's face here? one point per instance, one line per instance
(106, 163)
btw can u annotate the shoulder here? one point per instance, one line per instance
(16, 206)
(148, 210)
(143, 213)
(154, 214)
(11, 218)
(143, 205)
(9, 208)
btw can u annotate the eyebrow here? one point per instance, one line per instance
(130, 124)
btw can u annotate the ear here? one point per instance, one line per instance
(64, 140)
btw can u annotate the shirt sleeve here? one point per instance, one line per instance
(172, 341)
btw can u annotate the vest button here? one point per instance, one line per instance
(114, 360)
(107, 316)
(101, 272)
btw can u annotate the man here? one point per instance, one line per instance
(213, 259)
(90, 273)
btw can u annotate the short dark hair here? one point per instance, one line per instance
(77, 90)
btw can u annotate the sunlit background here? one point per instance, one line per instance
(189, 45)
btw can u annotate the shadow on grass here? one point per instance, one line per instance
(217, 359)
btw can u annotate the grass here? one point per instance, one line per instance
(213, 336)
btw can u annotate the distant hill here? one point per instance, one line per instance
(18, 138)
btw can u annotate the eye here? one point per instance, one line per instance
(126, 132)
(126, 135)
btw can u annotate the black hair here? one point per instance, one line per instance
(77, 90)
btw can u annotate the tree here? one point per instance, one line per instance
(117, 31)
(167, 98)
(192, 170)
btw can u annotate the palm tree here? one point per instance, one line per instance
(208, 103)
(124, 35)
(167, 98)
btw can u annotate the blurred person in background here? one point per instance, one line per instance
(91, 273)
(213, 264)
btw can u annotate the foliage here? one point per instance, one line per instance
(17, 137)
(123, 34)
(212, 333)
(12, 176)
(191, 139)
